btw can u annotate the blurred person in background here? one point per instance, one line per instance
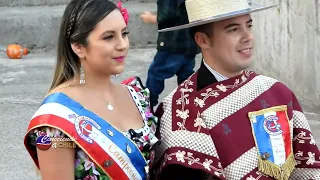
(176, 50)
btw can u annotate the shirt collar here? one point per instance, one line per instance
(217, 75)
(205, 77)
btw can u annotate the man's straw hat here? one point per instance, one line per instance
(207, 11)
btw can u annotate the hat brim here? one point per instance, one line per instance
(252, 9)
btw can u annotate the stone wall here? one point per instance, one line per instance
(287, 45)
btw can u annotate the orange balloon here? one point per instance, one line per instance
(15, 51)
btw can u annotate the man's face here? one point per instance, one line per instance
(231, 44)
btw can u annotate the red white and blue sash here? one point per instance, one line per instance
(116, 154)
(273, 139)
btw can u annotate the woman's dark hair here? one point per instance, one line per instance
(79, 19)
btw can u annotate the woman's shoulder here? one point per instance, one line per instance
(67, 88)
(48, 111)
(65, 95)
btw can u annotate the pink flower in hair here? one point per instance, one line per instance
(124, 12)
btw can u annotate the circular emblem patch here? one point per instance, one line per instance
(84, 126)
(271, 125)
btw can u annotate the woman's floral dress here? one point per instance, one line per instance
(85, 168)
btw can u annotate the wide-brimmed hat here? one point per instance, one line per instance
(207, 11)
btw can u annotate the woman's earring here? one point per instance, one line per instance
(82, 76)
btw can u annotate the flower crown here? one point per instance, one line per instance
(124, 12)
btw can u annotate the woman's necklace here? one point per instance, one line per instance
(109, 106)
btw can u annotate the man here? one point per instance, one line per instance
(224, 122)
(176, 50)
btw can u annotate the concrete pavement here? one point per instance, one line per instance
(24, 83)
(37, 27)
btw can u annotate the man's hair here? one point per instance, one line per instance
(205, 28)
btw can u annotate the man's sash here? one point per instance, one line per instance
(113, 152)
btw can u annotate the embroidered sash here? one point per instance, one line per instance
(113, 152)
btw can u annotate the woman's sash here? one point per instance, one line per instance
(113, 152)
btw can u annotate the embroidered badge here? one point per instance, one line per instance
(271, 132)
(226, 129)
(264, 104)
(290, 104)
(84, 126)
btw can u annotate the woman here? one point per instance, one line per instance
(88, 127)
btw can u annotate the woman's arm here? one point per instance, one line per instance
(57, 163)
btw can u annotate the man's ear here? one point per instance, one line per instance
(202, 40)
(79, 50)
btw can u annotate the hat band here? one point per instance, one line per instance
(203, 9)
